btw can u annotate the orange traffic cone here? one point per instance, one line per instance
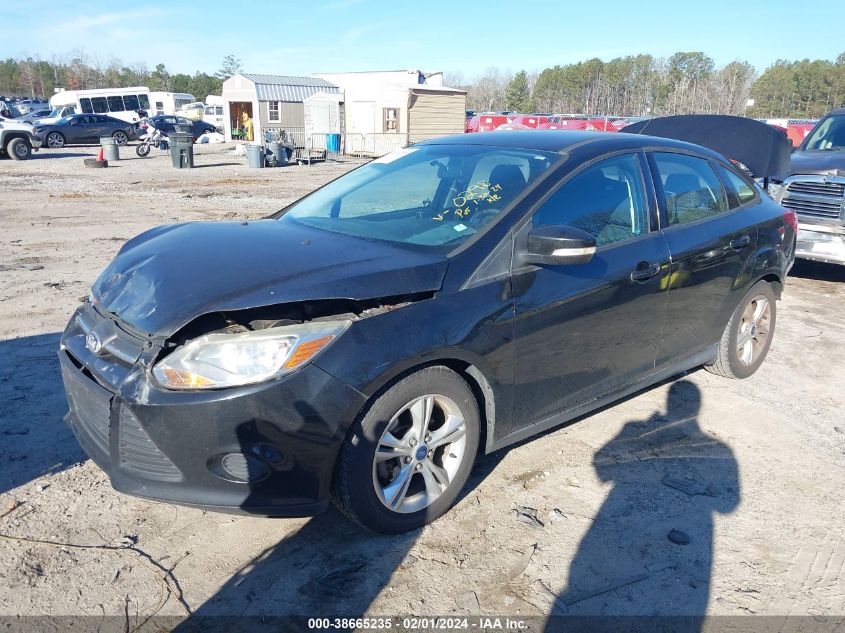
(100, 155)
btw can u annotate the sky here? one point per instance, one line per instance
(304, 37)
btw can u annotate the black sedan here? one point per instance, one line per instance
(167, 123)
(367, 342)
(81, 129)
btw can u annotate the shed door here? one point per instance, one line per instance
(436, 114)
(321, 119)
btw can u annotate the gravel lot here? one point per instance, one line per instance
(752, 471)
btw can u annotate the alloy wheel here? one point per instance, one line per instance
(55, 140)
(120, 138)
(419, 453)
(754, 327)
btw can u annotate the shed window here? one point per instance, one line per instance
(275, 111)
(391, 119)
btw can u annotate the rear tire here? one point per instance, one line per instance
(748, 335)
(19, 149)
(120, 138)
(405, 462)
(142, 150)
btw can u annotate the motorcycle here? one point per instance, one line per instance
(154, 138)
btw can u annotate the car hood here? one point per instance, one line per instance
(168, 276)
(826, 163)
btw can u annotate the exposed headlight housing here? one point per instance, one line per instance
(217, 360)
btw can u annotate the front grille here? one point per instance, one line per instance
(813, 207)
(818, 188)
(815, 196)
(138, 453)
(90, 409)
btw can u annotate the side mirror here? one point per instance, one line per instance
(559, 245)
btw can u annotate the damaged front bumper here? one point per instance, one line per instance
(264, 449)
(821, 242)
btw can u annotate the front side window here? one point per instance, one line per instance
(692, 190)
(86, 106)
(116, 104)
(274, 110)
(428, 197)
(606, 200)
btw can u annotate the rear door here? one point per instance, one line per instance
(711, 241)
(582, 330)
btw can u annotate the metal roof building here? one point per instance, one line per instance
(271, 101)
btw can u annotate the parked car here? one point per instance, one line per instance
(16, 139)
(368, 341)
(80, 129)
(485, 122)
(214, 116)
(167, 123)
(530, 120)
(34, 115)
(815, 189)
(28, 105)
(194, 110)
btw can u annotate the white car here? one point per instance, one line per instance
(214, 116)
(194, 110)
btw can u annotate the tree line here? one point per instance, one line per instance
(642, 85)
(635, 85)
(33, 77)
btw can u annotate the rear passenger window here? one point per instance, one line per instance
(741, 190)
(606, 200)
(692, 189)
(86, 105)
(116, 104)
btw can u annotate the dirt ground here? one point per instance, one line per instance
(751, 472)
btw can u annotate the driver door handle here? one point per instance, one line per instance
(644, 274)
(740, 242)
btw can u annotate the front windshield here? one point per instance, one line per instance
(432, 196)
(827, 135)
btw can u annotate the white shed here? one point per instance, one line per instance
(324, 113)
(410, 104)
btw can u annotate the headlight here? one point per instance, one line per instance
(217, 360)
(776, 191)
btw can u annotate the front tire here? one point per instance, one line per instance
(405, 462)
(19, 149)
(142, 150)
(55, 140)
(748, 335)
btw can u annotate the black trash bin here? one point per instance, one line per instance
(182, 149)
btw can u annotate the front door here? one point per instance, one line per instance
(582, 330)
(711, 246)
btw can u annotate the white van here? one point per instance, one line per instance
(120, 103)
(169, 102)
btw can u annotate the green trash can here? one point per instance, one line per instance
(110, 149)
(182, 150)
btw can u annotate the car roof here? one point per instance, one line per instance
(564, 140)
